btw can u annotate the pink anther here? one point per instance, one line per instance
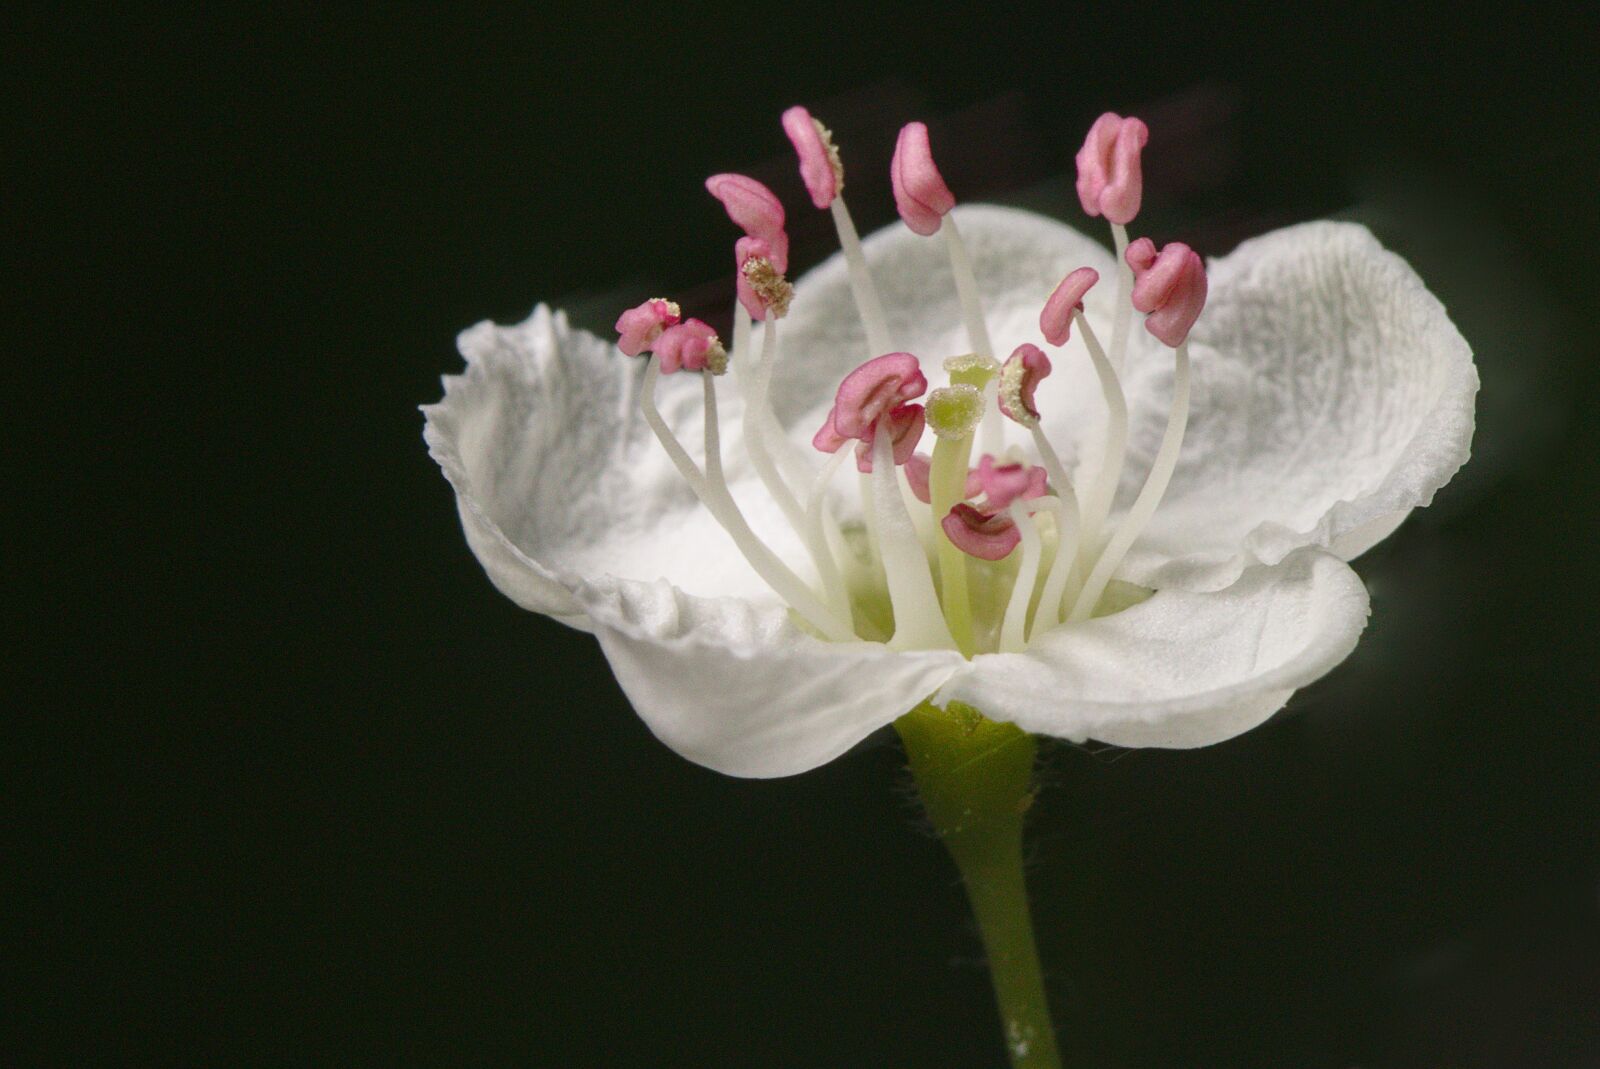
(641, 325)
(1004, 483)
(905, 423)
(756, 210)
(1055, 321)
(1019, 378)
(872, 389)
(745, 250)
(691, 346)
(1170, 287)
(1109, 180)
(981, 534)
(819, 160)
(920, 194)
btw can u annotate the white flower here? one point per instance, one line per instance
(1330, 396)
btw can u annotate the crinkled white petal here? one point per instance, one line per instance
(1183, 668)
(558, 478)
(1331, 395)
(735, 686)
(1019, 257)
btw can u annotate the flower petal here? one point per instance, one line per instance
(1181, 669)
(1332, 395)
(1018, 257)
(735, 686)
(558, 479)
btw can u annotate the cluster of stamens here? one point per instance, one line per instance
(946, 552)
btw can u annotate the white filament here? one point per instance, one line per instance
(712, 489)
(1144, 506)
(758, 424)
(1097, 506)
(1123, 320)
(866, 294)
(1068, 529)
(1012, 636)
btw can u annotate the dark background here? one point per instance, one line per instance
(290, 783)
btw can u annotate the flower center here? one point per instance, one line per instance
(930, 551)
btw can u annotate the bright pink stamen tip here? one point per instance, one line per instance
(1004, 483)
(1055, 322)
(641, 325)
(1109, 179)
(816, 162)
(756, 210)
(1170, 287)
(985, 535)
(690, 346)
(920, 194)
(872, 389)
(745, 250)
(1019, 378)
(905, 425)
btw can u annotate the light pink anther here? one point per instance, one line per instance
(690, 346)
(920, 194)
(882, 383)
(816, 162)
(1109, 179)
(981, 534)
(1019, 378)
(905, 423)
(1169, 286)
(642, 324)
(1004, 483)
(744, 250)
(1055, 321)
(756, 210)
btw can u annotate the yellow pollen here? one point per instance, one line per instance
(773, 289)
(833, 155)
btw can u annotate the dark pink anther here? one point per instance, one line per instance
(1004, 483)
(756, 210)
(872, 389)
(745, 250)
(920, 194)
(641, 325)
(1055, 322)
(981, 534)
(691, 346)
(1170, 287)
(905, 423)
(819, 160)
(1109, 180)
(1019, 378)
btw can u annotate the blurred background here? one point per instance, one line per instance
(288, 782)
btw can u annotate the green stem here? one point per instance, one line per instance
(975, 778)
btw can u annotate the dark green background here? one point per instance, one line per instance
(292, 784)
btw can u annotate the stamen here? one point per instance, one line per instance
(1171, 288)
(711, 488)
(693, 346)
(756, 441)
(985, 535)
(905, 425)
(640, 326)
(918, 621)
(1004, 483)
(1144, 506)
(756, 210)
(866, 393)
(1013, 629)
(1065, 564)
(920, 195)
(762, 288)
(1110, 182)
(823, 173)
(1105, 485)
